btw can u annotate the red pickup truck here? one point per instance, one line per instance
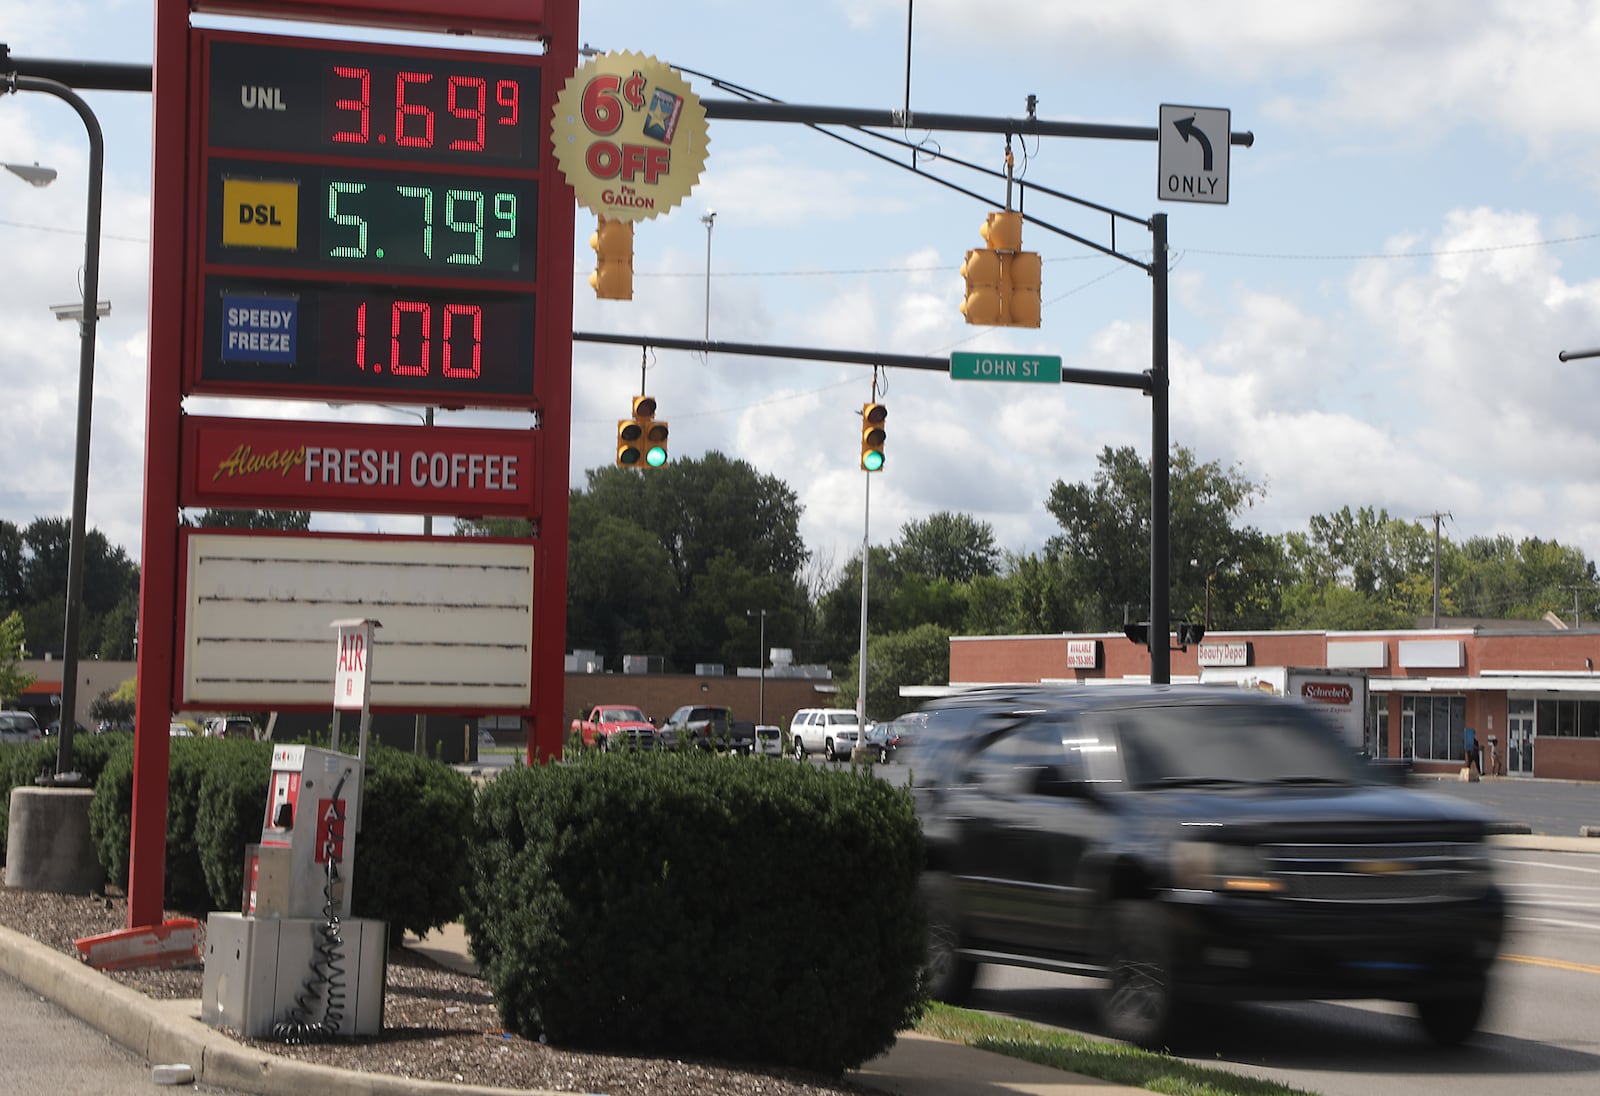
(615, 727)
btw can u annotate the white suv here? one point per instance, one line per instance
(833, 731)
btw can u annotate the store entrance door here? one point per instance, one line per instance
(1519, 738)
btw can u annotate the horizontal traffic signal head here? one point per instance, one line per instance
(873, 435)
(613, 253)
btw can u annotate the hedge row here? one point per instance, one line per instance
(699, 905)
(410, 854)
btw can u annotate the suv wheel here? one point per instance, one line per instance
(799, 749)
(946, 974)
(1138, 998)
(827, 750)
(1449, 1020)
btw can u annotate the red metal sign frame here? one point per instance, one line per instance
(175, 259)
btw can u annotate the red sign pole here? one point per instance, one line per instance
(158, 559)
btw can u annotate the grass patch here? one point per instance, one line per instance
(1115, 1062)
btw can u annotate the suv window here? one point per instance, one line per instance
(1216, 742)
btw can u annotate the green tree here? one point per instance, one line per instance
(955, 547)
(1105, 538)
(920, 656)
(116, 705)
(293, 521)
(12, 679)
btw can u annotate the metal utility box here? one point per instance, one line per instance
(257, 966)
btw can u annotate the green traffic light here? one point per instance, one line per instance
(655, 456)
(872, 460)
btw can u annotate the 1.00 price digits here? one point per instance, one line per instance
(395, 224)
(411, 340)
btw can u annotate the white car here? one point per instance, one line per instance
(830, 731)
(19, 728)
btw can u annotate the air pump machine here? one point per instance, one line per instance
(292, 964)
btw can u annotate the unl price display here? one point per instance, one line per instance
(316, 96)
(420, 109)
(407, 224)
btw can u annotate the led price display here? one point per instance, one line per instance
(345, 100)
(364, 221)
(459, 348)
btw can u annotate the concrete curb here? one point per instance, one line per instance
(171, 1031)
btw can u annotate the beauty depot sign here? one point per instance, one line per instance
(358, 467)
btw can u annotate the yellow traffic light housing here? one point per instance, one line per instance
(1002, 280)
(873, 436)
(613, 254)
(642, 440)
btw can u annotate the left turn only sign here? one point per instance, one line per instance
(1194, 154)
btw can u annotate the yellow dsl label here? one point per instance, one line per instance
(260, 213)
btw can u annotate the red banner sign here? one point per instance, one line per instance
(360, 468)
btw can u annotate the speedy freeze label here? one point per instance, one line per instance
(259, 328)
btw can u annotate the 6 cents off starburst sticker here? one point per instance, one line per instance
(630, 136)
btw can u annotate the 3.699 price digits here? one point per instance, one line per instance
(468, 99)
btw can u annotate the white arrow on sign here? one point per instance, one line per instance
(1193, 160)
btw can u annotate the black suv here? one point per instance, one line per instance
(1194, 843)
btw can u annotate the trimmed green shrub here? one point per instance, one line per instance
(228, 815)
(411, 854)
(699, 905)
(111, 819)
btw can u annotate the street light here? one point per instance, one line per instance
(761, 689)
(87, 317)
(33, 173)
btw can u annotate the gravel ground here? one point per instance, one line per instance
(438, 1025)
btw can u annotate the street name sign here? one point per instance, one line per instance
(1037, 368)
(1193, 156)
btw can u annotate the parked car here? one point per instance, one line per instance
(887, 739)
(19, 728)
(178, 729)
(709, 726)
(1190, 844)
(615, 726)
(53, 728)
(232, 726)
(831, 731)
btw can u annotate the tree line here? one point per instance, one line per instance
(682, 561)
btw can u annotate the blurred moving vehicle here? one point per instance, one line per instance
(53, 728)
(832, 731)
(1186, 844)
(616, 726)
(19, 728)
(179, 729)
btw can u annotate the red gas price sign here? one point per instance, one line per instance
(369, 222)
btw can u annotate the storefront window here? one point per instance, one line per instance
(1431, 727)
(1569, 718)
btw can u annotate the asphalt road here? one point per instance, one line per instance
(1538, 1039)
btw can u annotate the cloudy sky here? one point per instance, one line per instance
(1372, 320)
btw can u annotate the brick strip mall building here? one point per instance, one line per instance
(1528, 690)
